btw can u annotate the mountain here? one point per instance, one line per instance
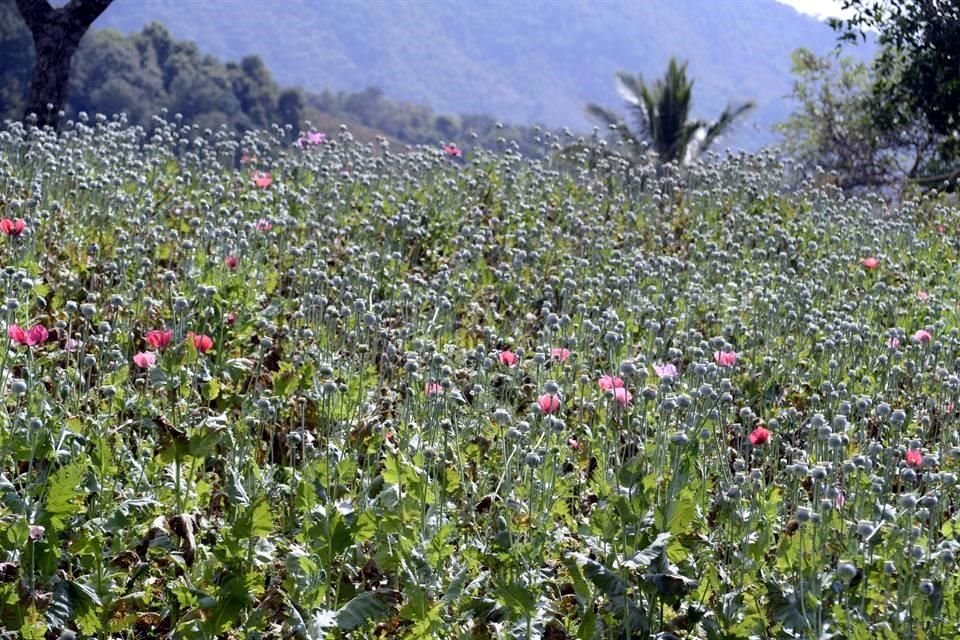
(522, 61)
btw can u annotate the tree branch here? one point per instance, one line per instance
(943, 177)
(35, 13)
(84, 12)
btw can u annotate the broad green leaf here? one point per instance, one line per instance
(367, 607)
(519, 597)
(211, 389)
(653, 555)
(675, 516)
(65, 493)
(10, 497)
(74, 602)
(256, 521)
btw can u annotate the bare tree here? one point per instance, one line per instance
(56, 37)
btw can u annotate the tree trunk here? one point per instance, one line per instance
(56, 37)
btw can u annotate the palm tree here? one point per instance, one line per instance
(662, 113)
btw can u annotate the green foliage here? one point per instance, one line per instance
(140, 74)
(916, 81)
(835, 130)
(16, 61)
(357, 455)
(661, 115)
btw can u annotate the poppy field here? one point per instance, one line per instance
(279, 387)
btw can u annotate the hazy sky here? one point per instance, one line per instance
(818, 8)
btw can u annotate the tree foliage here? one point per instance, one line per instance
(834, 129)
(916, 78)
(140, 74)
(661, 114)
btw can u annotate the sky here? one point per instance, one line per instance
(817, 8)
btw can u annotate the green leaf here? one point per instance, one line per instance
(285, 381)
(256, 521)
(620, 604)
(74, 602)
(365, 527)
(10, 497)
(676, 515)
(519, 597)
(670, 586)
(211, 389)
(654, 553)
(369, 606)
(64, 497)
(785, 607)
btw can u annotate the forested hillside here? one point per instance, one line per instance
(523, 62)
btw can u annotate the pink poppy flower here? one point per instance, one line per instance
(922, 296)
(914, 458)
(560, 354)
(201, 342)
(759, 436)
(262, 179)
(609, 382)
(622, 396)
(231, 262)
(665, 370)
(870, 263)
(17, 334)
(840, 500)
(508, 358)
(922, 336)
(725, 358)
(263, 225)
(35, 532)
(452, 151)
(13, 227)
(145, 359)
(230, 319)
(893, 343)
(37, 334)
(159, 338)
(312, 138)
(549, 402)
(433, 389)
(71, 345)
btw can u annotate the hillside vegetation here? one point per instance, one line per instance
(537, 61)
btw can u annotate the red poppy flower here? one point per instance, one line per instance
(159, 338)
(914, 458)
(13, 227)
(262, 179)
(759, 436)
(201, 342)
(508, 358)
